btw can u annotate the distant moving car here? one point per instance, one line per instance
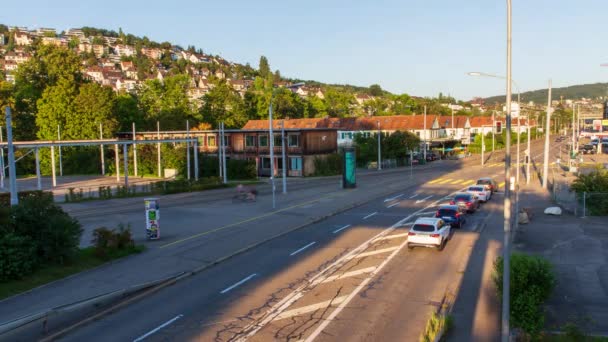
(490, 182)
(451, 214)
(428, 232)
(483, 194)
(466, 201)
(587, 149)
(431, 156)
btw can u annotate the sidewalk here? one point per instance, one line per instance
(578, 249)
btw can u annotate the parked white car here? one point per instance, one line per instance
(483, 193)
(428, 232)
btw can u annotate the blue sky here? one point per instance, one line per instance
(420, 47)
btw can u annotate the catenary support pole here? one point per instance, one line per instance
(2, 172)
(160, 174)
(117, 158)
(125, 160)
(224, 171)
(12, 173)
(102, 157)
(60, 157)
(53, 168)
(219, 151)
(547, 137)
(38, 178)
(425, 133)
(195, 151)
(529, 159)
(506, 284)
(379, 148)
(284, 157)
(271, 145)
(134, 152)
(188, 149)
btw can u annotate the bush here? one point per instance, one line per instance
(532, 281)
(17, 256)
(109, 242)
(595, 182)
(35, 232)
(330, 165)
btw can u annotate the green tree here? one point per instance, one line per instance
(264, 67)
(54, 108)
(375, 90)
(223, 104)
(127, 112)
(167, 102)
(338, 102)
(94, 104)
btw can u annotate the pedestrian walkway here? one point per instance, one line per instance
(577, 248)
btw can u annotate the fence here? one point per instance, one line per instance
(580, 204)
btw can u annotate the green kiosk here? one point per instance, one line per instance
(349, 168)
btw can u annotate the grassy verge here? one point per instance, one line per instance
(84, 260)
(437, 324)
(567, 338)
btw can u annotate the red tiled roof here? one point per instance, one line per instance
(387, 123)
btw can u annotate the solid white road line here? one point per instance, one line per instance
(394, 204)
(392, 198)
(379, 251)
(341, 229)
(370, 215)
(310, 308)
(142, 337)
(349, 274)
(424, 199)
(414, 195)
(239, 283)
(303, 248)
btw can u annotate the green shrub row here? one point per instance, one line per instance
(329, 165)
(109, 242)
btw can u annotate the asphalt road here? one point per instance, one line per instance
(348, 277)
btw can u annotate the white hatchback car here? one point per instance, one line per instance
(483, 193)
(428, 232)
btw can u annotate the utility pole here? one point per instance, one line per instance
(379, 149)
(60, 159)
(158, 149)
(529, 152)
(506, 281)
(103, 162)
(12, 173)
(284, 156)
(224, 172)
(424, 150)
(547, 136)
(2, 173)
(483, 146)
(271, 145)
(188, 149)
(134, 152)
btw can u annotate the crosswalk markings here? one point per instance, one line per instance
(458, 181)
(468, 182)
(436, 180)
(446, 180)
(501, 184)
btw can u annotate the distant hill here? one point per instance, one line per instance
(592, 91)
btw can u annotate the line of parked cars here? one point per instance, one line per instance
(436, 231)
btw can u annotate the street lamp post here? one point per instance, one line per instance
(283, 157)
(425, 133)
(12, 174)
(547, 136)
(506, 285)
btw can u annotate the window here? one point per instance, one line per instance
(295, 163)
(263, 140)
(265, 163)
(342, 135)
(211, 140)
(277, 141)
(294, 140)
(227, 140)
(423, 228)
(249, 141)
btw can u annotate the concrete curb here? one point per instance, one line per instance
(160, 284)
